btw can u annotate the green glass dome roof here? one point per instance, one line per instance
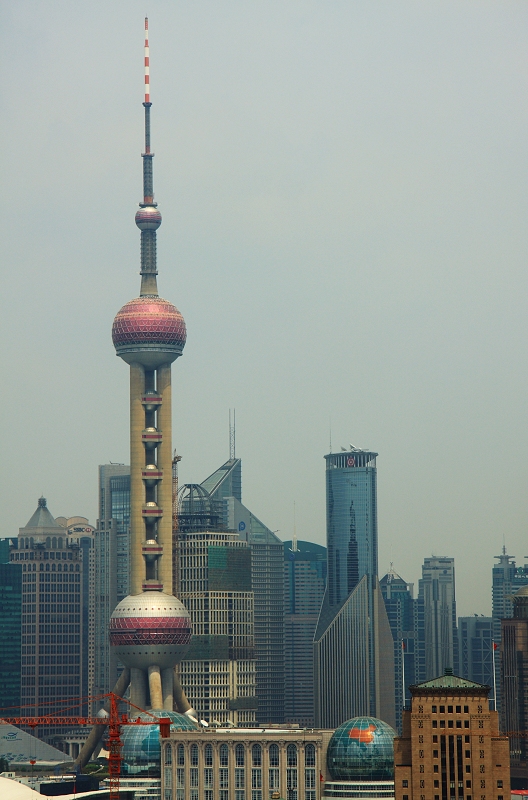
(362, 749)
(141, 750)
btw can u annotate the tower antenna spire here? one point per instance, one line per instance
(148, 218)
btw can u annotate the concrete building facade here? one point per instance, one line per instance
(475, 650)
(219, 671)
(238, 764)
(10, 630)
(514, 681)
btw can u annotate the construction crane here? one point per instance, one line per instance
(114, 720)
(175, 560)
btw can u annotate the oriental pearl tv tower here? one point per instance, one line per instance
(150, 630)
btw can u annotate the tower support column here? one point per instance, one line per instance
(138, 689)
(156, 695)
(137, 461)
(167, 688)
(165, 487)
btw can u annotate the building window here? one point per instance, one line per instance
(421, 753)
(194, 755)
(499, 784)
(168, 778)
(180, 778)
(193, 776)
(405, 797)
(466, 739)
(223, 777)
(458, 709)
(309, 755)
(433, 709)
(466, 723)
(435, 753)
(422, 784)
(291, 755)
(224, 755)
(273, 755)
(435, 723)
(482, 768)
(458, 723)
(422, 768)
(468, 767)
(405, 784)
(168, 755)
(208, 755)
(273, 779)
(450, 709)
(442, 709)
(436, 784)
(468, 753)
(256, 794)
(435, 739)
(240, 794)
(256, 755)
(435, 768)
(483, 784)
(449, 723)
(181, 755)
(256, 779)
(239, 755)
(468, 784)
(466, 709)
(309, 778)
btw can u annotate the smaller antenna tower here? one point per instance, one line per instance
(232, 436)
(294, 538)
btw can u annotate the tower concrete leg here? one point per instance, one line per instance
(156, 695)
(180, 698)
(96, 734)
(167, 685)
(138, 690)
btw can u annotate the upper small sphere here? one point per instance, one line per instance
(148, 218)
(150, 331)
(362, 749)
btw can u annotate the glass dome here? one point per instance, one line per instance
(141, 751)
(362, 749)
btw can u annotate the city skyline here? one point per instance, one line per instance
(348, 202)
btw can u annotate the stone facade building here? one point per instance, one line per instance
(451, 746)
(238, 764)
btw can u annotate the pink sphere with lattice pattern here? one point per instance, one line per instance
(150, 331)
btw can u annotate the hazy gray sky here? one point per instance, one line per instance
(344, 191)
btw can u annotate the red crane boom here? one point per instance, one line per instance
(114, 721)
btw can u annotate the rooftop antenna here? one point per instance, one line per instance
(232, 436)
(330, 432)
(294, 539)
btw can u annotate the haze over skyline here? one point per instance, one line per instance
(344, 197)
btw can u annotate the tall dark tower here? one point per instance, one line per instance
(150, 629)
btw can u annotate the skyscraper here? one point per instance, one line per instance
(507, 578)
(353, 628)
(475, 650)
(224, 493)
(54, 614)
(437, 609)
(400, 606)
(10, 628)
(514, 681)
(112, 565)
(304, 587)
(218, 673)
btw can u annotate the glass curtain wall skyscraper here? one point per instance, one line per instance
(353, 646)
(507, 578)
(400, 605)
(437, 618)
(112, 565)
(304, 587)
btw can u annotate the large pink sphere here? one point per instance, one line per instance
(150, 628)
(149, 331)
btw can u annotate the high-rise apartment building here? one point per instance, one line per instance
(55, 613)
(401, 612)
(437, 617)
(451, 747)
(514, 681)
(10, 629)
(304, 586)
(224, 491)
(353, 628)
(218, 673)
(507, 578)
(112, 565)
(475, 650)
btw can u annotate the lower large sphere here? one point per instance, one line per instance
(150, 628)
(362, 749)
